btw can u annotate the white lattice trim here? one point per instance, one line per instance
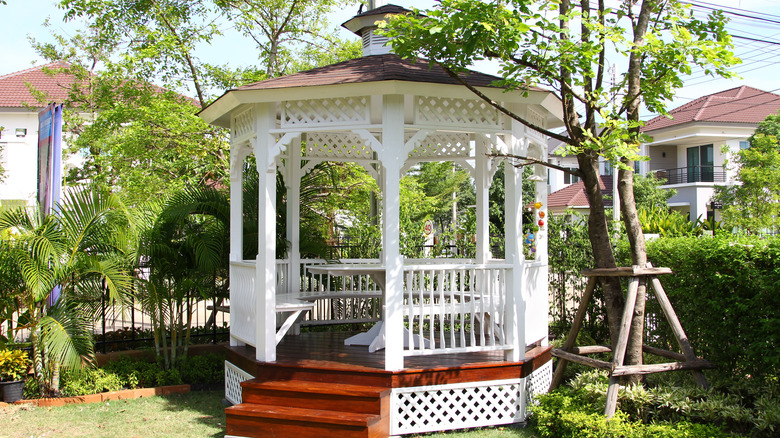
(454, 112)
(539, 382)
(456, 406)
(442, 144)
(333, 111)
(243, 125)
(233, 378)
(337, 145)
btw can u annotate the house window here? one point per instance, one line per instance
(569, 178)
(700, 164)
(744, 144)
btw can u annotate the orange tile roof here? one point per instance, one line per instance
(737, 105)
(14, 92)
(575, 196)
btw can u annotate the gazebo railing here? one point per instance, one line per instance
(455, 308)
(456, 303)
(242, 301)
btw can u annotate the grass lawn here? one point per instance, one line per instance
(195, 414)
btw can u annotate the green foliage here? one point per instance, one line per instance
(753, 205)
(203, 369)
(14, 365)
(91, 381)
(663, 410)
(570, 252)
(668, 223)
(81, 251)
(724, 290)
(648, 194)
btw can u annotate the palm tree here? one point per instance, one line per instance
(78, 253)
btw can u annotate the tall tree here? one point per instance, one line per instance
(284, 29)
(565, 46)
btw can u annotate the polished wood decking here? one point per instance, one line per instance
(326, 351)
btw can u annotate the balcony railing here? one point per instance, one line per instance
(692, 174)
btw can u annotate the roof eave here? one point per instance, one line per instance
(218, 112)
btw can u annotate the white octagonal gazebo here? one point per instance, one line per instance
(458, 342)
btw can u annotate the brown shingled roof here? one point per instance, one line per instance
(738, 105)
(14, 92)
(384, 9)
(375, 68)
(575, 196)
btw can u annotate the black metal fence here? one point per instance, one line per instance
(692, 174)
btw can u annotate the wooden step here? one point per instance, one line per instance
(311, 372)
(253, 420)
(317, 395)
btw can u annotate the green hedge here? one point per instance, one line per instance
(726, 292)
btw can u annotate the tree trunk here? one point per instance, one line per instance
(638, 257)
(598, 233)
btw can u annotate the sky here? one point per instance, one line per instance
(756, 22)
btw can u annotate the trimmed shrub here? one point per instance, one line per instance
(725, 292)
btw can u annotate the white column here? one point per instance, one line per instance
(236, 213)
(294, 214)
(236, 203)
(515, 305)
(483, 196)
(265, 280)
(392, 160)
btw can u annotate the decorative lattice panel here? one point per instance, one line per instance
(233, 378)
(442, 144)
(536, 118)
(334, 111)
(337, 145)
(539, 381)
(243, 125)
(457, 406)
(457, 112)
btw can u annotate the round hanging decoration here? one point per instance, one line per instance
(538, 205)
(541, 223)
(541, 214)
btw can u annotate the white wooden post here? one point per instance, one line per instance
(392, 160)
(294, 215)
(483, 203)
(515, 305)
(237, 154)
(265, 280)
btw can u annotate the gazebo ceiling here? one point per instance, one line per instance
(371, 75)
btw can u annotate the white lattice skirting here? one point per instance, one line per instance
(233, 378)
(539, 381)
(456, 406)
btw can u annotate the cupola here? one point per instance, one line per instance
(364, 25)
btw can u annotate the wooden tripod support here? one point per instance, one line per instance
(687, 360)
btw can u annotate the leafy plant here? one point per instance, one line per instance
(77, 253)
(14, 365)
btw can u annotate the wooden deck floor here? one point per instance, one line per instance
(326, 350)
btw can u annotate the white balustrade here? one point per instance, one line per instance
(242, 301)
(455, 308)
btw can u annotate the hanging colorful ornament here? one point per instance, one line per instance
(541, 223)
(541, 214)
(538, 205)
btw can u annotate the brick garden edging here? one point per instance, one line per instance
(127, 394)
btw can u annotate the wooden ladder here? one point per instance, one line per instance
(686, 361)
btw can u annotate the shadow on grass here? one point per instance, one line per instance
(207, 403)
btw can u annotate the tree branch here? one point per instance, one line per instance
(501, 108)
(529, 161)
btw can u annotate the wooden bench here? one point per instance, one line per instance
(285, 303)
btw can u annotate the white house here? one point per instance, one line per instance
(19, 137)
(689, 149)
